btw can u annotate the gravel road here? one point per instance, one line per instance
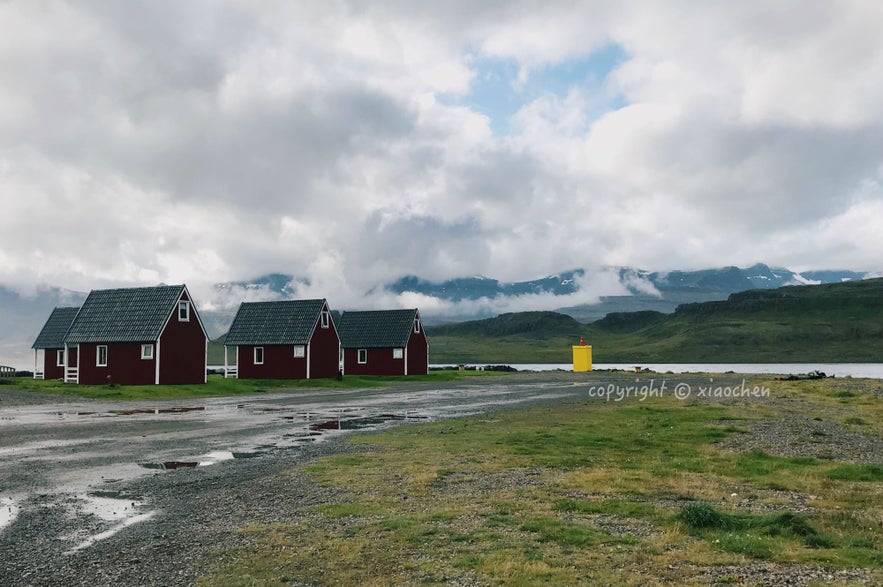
(147, 493)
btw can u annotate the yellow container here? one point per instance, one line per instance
(582, 358)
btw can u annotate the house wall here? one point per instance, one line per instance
(279, 363)
(72, 356)
(324, 352)
(182, 350)
(50, 369)
(418, 353)
(124, 365)
(380, 362)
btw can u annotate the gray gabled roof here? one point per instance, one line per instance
(52, 335)
(282, 322)
(135, 314)
(376, 328)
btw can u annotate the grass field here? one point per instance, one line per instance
(591, 493)
(217, 385)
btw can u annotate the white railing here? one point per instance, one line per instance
(7, 373)
(231, 372)
(38, 374)
(72, 374)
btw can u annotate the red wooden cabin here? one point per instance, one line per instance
(137, 336)
(49, 353)
(384, 342)
(293, 339)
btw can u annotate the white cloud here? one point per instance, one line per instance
(216, 141)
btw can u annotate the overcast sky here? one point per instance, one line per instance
(351, 143)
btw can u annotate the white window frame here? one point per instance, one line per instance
(59, 358)
(300, 351)
(255, 355)
(98, 352)
(398, 353)
(325, 321)
(183, 311)
(147, 351)
(416, 325)
(362, 356)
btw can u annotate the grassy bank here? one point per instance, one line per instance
(596, 492)
(217, 386)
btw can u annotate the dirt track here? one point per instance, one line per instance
(141, 493)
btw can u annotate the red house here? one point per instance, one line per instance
(138, 336)
(384, 342)
(294, 339)
(49, 355)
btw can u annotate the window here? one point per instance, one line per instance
(416, 324)
(325, 319)
(363, 356)
(183, 311)
(300, 351)
(398, 353)
(59, 358)
(146, 351)
(101, 356)
(258, 355)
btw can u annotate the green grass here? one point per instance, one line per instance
(218, 386)
(535, 496)
(727, 528)
(857, 473)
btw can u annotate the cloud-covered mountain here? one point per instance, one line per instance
(585, 294)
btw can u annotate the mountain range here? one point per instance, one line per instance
(23, 314)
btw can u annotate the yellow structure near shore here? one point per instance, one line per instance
(582, 357)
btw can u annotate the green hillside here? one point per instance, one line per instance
(840, 322)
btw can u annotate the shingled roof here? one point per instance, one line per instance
(52, 335)
(282, 322)
(376, 328)
(136, 314)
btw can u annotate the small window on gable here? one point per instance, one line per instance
(146, 351)
(398, 353)
(325, 319)
(416, 324)
(258, 355)
(183, 311)
(101, 356)
(300, 351)
(59, 358)
(363, 356)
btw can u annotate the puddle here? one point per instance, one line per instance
(112, 507)
(362, 423)
(213, 458)
(108, 533)
(109, 505)
(205, 460)
(8, 511)
(132, 412)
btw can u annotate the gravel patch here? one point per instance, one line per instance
(198, 514)
(763, 574)
(796, 435)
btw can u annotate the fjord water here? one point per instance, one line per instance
(865, 370)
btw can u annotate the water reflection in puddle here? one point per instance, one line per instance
(8, 511)
(363, 423)
(110, 507)
(205, 460)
